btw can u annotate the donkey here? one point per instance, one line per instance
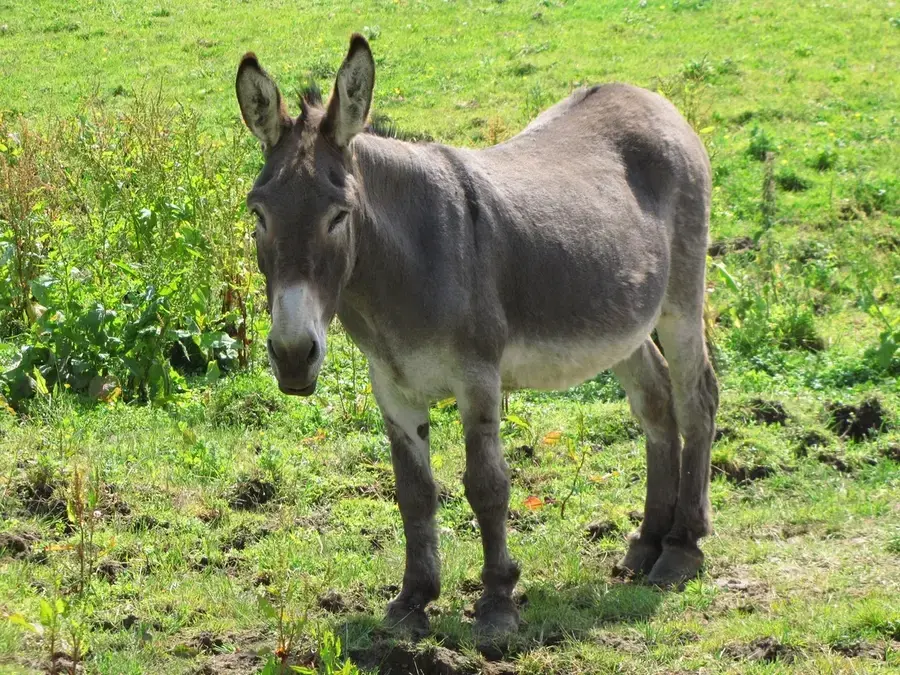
(538, 263)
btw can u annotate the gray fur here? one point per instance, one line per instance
(538, 262)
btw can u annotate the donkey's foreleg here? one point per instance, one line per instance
(486, 483)
(407, 428)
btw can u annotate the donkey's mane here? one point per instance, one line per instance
(380, 125)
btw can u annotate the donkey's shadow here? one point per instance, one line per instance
(550, 615)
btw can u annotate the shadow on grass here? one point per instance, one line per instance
(550, 616)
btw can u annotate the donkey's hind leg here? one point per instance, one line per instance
(645, 378)
(696, 401)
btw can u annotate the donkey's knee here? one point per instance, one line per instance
(487, 488)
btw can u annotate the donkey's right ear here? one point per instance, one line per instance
(261, 104)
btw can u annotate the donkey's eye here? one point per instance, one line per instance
(260, 221)
(337, 220)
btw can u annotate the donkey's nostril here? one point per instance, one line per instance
(313, 352)
(271, 346)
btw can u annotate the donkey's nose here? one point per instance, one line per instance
(300, 352)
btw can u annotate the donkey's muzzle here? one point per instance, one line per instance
(296, 365)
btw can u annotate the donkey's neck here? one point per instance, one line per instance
(401, 188)
(411, 236)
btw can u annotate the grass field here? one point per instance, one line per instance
(172, 519)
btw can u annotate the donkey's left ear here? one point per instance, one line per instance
(352, 96)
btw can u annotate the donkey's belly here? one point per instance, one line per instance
(562, 363)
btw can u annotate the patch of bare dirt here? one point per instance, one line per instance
(471, 587)
(335, 603)
(244, 660)
(238, 663)
(208, 643)
(243, 537)
(600, 529)
(629, 644)
(768, 412)
(403, 659)
(43, 496)
(524, 453)
(764, 650)
(741, 474)
(859, 649)
(858, 422)
(892, 452)
(251, 493)
(110, 569)
(723, 434)
(811, 440)
(834, 461)
(736, 245)
(17, 544)
(524, 521)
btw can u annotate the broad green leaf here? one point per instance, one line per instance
(519, 422)
(212, 372)
(21, 621)
(726, 276)
(40, 383)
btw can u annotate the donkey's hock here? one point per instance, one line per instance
(535, 263)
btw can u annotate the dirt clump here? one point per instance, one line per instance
(736, 245)
(403, 659)
(858, 649)
(110, 569)
(833, 460)
(629, 644)
(892, 452)
(208, 643)
(858, 422)
(17, 544)
(768, 412)
(43, 496)
(243, 537)
(741, 474)
(600, 529)
(764, 650)
(333, 602)
(523, 453)
(238, 663)
(723, 434)
(251, 493)
(809, 441)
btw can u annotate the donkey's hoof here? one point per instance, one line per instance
(677, 564)
(407, 619)
(639, 559)
(496, 618)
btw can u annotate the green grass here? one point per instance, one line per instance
(803, 570)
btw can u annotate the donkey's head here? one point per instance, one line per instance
(305, 201)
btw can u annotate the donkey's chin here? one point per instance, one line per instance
(290, 390)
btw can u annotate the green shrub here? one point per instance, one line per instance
(245, 400)
(790, 181)
(824, 160)
(760, 144)
(123, 257)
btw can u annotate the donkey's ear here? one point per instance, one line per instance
(352, 96)
(261, 104)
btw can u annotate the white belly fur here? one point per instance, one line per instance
(554, 365)
(562, 364)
